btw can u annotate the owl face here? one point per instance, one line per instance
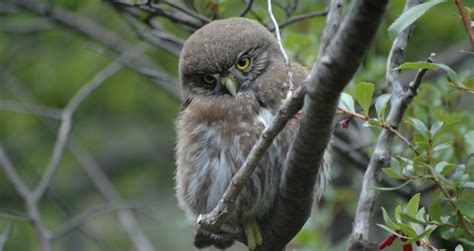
(225, 57)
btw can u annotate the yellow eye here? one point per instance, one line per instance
(208, 79)
(243, 63)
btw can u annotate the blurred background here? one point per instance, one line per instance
(116, 173)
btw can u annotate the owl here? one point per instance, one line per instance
(233, 79)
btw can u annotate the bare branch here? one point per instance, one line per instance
(102, 182)
(12, 175)
(87, 27)
(324, 85)
(13, 215)
(67, 114)
(44, 111)
(106, 188)
(86, 216)
(25, 27)
(381, 155)
(301, 17)
(247, 8)
(6, 234)
(192, 21)
(185, 11)
(28, 198)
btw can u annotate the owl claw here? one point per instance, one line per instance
(253, 234)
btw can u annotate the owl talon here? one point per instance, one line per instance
(253, 234)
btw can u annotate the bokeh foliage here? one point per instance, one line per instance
(127, 124)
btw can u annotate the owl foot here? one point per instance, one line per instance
(253, 234)
(205, 239)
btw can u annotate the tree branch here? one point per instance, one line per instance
(301, 17)
(86, 216)
(28, 198)
(7, 232)
(67, 114)
(466, 21)
(326, 81)
(381, 156)
(247, 8)
(87, 27)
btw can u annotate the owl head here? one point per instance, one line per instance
(225, 57)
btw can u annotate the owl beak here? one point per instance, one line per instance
(229, 83)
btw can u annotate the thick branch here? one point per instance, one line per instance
(326, 81)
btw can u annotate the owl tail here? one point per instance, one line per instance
(324, 177)
(204, 239)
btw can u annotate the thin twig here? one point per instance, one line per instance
(44, 111)
(247, 8)
(300, 18)
(383, 125)
(86, 216)
(466, 21)
(282, 50)
(185, 11)
(28, 198)
(13, 215)
(85, 26)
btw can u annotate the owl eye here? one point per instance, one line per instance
(243, 63)
(208, 79)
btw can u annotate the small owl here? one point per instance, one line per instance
(233, 79)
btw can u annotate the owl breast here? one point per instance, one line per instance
(214, 152)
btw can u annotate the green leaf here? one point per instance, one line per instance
(410, 16)
(408, 218)
(389, 221)
(441, 147)
(459, 248)
(388, 229)
(466, 241)
(420, 127)
(469, 184)
(432, 66)
(363, 95)
(346, 102)
(398, 212)
(392, 173)
(413, 204)
(444, 167)
(435, 128)
(469, 138)
(467, 208)
(417, 65)
(408, 230)
(451, 74)
(381, 105)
